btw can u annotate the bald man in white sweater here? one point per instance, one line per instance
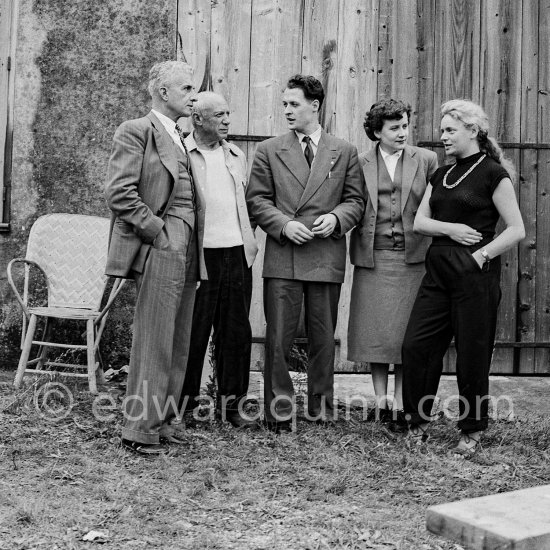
(223, 301)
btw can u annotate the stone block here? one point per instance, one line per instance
(518, 520)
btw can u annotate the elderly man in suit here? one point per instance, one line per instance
(156, 239)
(223, 301)
(305, 191)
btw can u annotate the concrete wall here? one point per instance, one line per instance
(80, 70)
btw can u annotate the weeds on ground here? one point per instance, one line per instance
(352, 486)
(298, 360)
(212, 384)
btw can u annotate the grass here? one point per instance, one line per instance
(353, 486)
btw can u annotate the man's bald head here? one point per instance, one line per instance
(210, 117)
(205, 101)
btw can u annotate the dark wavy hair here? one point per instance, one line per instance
(311, 87)
(385, 109)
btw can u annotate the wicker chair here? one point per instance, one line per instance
(70, 251)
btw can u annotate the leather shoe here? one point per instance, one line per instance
(237, 421)
(326, 422)
(174, 438)
(313, 419)
(379, 415)
(385, 416)
(172, 433)
(398, 423)
(146, 449)
(278, 427)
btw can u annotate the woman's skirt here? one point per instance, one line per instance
(381, 302)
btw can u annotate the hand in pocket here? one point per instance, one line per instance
(161, 240)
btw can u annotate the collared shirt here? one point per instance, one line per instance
(235, 161)
(170, 127)
(391, 160)
(221, 222)
(315, 137)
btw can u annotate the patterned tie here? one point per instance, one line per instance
(308, 151)
(187, 165)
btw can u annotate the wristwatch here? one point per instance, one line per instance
(485, 255)
(486, 260)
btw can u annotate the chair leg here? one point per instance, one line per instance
(91, 356)
(43, 353)
(100, 367)
(23, 359)
(23, 332)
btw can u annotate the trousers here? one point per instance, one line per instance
(283, 300)
(222, 305)
(456, 298)
(160, 343)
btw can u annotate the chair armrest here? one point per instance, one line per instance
(12, 284)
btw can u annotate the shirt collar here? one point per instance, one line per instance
(315, 137)
(385, 156)
(191, 144)
(168, 123)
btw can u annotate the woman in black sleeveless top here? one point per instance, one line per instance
(460, 292)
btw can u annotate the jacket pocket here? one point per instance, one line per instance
(123, 227)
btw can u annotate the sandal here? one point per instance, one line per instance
(418, 433)
(468, 445)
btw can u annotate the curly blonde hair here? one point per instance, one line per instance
(473, 116)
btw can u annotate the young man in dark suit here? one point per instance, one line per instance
(306, 192)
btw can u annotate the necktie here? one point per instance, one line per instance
(308, 151)
(187, 166)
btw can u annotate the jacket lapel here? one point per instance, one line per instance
(200, 199)
(325, 159)
(165, 146)
(410, 165)
(370, 171)
(293, 158)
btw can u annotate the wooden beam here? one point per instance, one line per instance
(504, 145)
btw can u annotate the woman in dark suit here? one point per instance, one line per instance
(460, 293)
(387, 255)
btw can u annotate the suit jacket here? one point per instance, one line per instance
(282, 188)
(418, 166)
(142, 171)
(235, 161)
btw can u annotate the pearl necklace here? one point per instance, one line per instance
(461, 177)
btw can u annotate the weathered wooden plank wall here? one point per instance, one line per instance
(500, 92)
(496, 52)
(542, 214)
(528, 182)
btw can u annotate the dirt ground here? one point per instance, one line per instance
(521, 396)
(352, 486)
